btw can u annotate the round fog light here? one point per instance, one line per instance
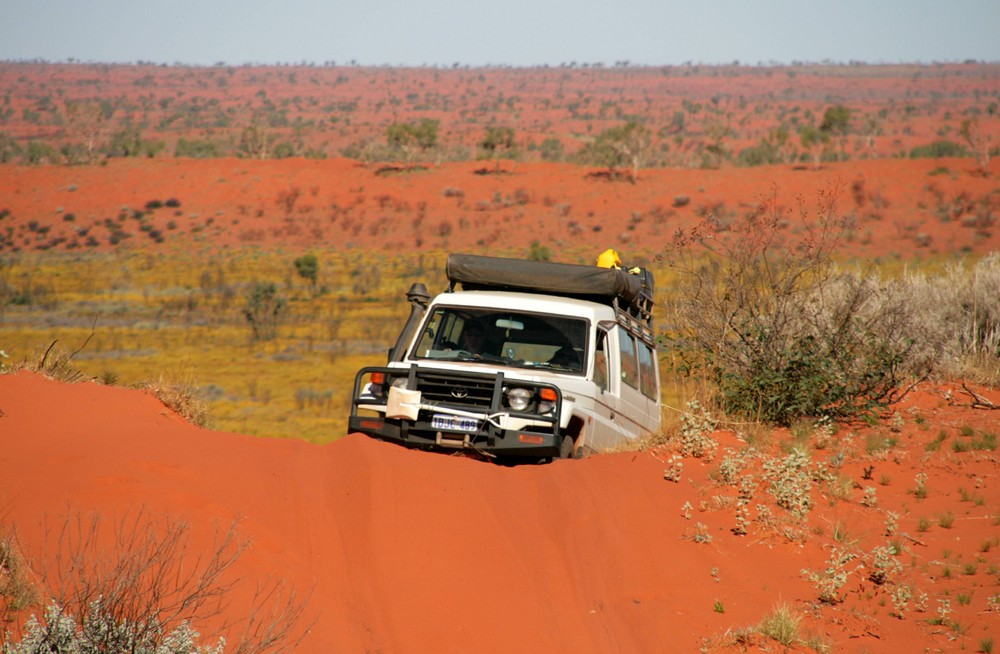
(519, 398)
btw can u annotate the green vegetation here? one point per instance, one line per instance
(937, 150)
(264, 310)
(623, 147)
(411, 139)
(307, 266)
(497, 142)
(396, 115)
(198, 149)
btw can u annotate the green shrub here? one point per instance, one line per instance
(197, 149)
(539, 252)
(264, 310)
(41, 153)
(9, 149)
(938, 149)
(552, 149)
(307, 266)
(779, 331)
(758, 155)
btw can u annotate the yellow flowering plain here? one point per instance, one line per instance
(178, 318)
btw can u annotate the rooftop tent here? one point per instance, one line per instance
(634, 292)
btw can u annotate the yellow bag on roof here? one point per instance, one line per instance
(609, 259)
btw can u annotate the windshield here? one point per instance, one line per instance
(509, 338)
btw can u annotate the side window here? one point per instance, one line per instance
(630, 368)
(601, 360)
(647, 371)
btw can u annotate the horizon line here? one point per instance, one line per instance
(617, 65)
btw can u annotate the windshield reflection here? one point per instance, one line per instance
(507, 338)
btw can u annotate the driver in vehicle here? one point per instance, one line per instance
(566, 356)
(473, 337)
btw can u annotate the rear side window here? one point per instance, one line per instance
(647, 371)
(630, 367)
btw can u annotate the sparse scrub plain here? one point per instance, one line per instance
(176, 324)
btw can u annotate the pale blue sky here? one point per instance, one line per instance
(512, 32)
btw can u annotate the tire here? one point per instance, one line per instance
(566, 447)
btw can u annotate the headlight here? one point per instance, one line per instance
(519, 398)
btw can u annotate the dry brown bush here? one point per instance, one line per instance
(17, 591)
(139, 578)
(956, 319)
(781, 332)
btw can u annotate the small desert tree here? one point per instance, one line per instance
(716, 131)
(496, 142)
(307, 266)
(815, 142)
(413, 138)
(255, 141)
(979, 142)
(837, 124)
(264, 310)
(86, 120)
(623, 146)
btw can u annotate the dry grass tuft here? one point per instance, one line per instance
(183, 398)
(782, 625)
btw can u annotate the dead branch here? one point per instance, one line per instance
(913, 540)
(978, 401)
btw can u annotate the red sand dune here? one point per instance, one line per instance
(415, 552)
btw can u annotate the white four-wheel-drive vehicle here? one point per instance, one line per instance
(528, 361)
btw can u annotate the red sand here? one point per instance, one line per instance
(416, 552)
(902, 208)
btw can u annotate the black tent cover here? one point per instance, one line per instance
(476, 272)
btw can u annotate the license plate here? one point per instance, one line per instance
(454, 423)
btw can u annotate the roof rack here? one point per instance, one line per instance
(628, 291)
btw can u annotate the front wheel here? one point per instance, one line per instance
(566, 448)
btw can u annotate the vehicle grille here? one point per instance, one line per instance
(463, 391)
